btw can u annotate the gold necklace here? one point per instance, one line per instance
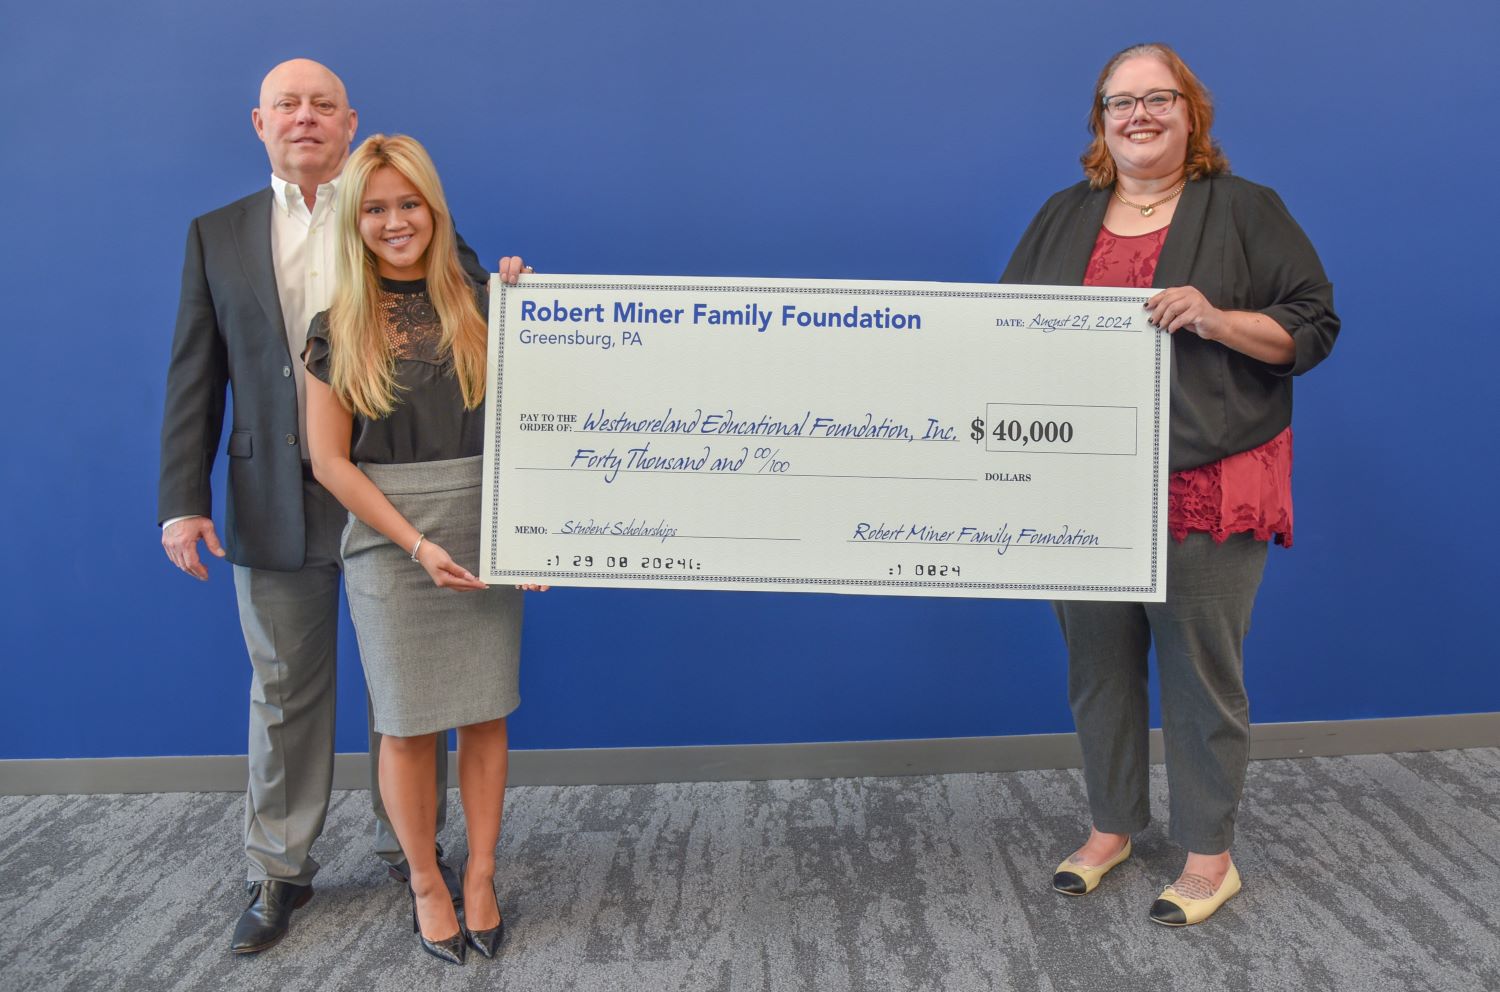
(1147, 209)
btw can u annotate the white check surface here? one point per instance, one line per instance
(938, 439)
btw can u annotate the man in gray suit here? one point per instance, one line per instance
(256, 272)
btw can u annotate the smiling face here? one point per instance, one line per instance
(1144, 146)
(305, 121)
(395, 224)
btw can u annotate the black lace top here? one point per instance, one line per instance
(429, 423)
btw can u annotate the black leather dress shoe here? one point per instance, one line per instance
(269, 915)
(401, 872)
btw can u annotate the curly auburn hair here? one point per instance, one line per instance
(1204, 157)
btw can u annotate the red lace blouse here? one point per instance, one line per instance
(1250, 491)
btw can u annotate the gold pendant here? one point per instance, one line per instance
(1147, 211)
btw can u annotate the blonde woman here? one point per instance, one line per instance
(395, 404)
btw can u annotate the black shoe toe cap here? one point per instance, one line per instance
(1169, 913)
(1068, 883)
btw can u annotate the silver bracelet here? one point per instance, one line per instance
(418, 545)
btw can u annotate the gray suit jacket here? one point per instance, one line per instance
(230, 332)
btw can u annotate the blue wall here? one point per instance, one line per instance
(780, 138)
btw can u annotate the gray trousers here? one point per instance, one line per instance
(290, 622)
(1199, 633)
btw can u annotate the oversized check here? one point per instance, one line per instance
(933, 439)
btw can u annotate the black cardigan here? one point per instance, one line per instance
(1236, 243)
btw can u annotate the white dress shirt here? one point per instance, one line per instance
(303, 243)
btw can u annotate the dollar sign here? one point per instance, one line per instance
(976, 429)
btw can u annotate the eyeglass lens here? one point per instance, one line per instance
(1122, 105)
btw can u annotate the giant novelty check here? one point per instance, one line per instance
(931, 439)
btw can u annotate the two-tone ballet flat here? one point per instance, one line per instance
(1074, 879)
(1173, 909)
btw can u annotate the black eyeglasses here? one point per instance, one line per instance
(1158, 103)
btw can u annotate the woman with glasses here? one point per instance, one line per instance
(1244, 296)
(395, 401)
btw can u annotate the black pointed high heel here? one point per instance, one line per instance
(486, 942)
(449, 949)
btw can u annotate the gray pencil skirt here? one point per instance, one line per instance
(433, 658)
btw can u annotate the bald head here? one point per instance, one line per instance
(305, 122)
(297, 74)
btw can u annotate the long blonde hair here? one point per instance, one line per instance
(1204, 157)
(362, 371)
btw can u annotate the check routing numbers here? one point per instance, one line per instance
(921, 438)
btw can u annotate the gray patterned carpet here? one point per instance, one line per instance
(1362, 873)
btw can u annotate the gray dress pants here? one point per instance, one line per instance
(290, 623)
(1199, 634)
